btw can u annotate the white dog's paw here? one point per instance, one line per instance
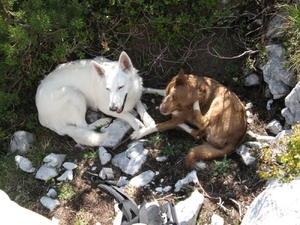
(105, 121)
(137, 134)
(101, 122)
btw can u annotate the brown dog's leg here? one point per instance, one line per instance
(202, 121)
(196, 133)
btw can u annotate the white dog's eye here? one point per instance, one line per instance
(108, 89)
(121, 87)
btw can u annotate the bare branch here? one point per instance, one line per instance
(217, 55)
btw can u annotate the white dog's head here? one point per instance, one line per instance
(118, 81)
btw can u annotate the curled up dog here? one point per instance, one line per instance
(113, 87)
(215, 111)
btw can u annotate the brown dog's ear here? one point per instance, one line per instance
(181, 79)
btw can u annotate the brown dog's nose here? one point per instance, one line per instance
(162, 109)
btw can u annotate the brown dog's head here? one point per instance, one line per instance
(180, 95)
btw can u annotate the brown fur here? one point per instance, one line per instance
(221, 119)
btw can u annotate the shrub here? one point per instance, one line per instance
(36, 35)
(291, 29)
(286, 166)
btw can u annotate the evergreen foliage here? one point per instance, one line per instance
(36, 35)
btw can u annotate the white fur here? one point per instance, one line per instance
(64, 95)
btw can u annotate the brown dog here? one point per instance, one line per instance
(222, 118)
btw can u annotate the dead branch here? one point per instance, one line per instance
(217, 55)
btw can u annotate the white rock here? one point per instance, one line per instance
(21, 142)
(274, 127)
(132, 159)
(24, 164)
(269, 104)
(249, 105)
(217, 220)
(167, 188)
(284, 133)
(161, 158)
(190, 177)
(122, 181)
(292, 102)
(254, 144)
(49, 203)
(278, 204)
(243, 151)
(142, 179)
(275, 75)
(187, 211)
(116, 131)
(46, 173)
(67, 175)
(52, 193)
(252, 80)
(69, 165)
(54, 160)
(261, 137)
(106, 173)
(159, 189)
(104, 156)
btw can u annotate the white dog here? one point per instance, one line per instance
(112, 87)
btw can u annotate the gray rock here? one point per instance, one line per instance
(292, 102)
(131, 160)
(46, 173)
(278, 204)
(161, 158)
(54, 160)
(274, 127)
(216, 220)
(69, 165)
(24, 164)
(274, 29)
(52, 193)
(258, 137)
(278, 78)
(252, 80)
(244, 152)
(67, 175)
(253, 144)
(116, 131)
(190, 178)
(122, 181)
(187, 211)
(269, 104)
(142, 179)
(21, 142)
(284, 133)
(104, 156)
(49, 203)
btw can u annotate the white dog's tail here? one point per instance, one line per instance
(83, 136)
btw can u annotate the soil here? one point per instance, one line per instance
(228, 192)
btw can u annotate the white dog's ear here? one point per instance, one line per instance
(98, 68)
(125, 62)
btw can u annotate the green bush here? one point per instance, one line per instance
(36, 35)
(286, 166)
(291, 29)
